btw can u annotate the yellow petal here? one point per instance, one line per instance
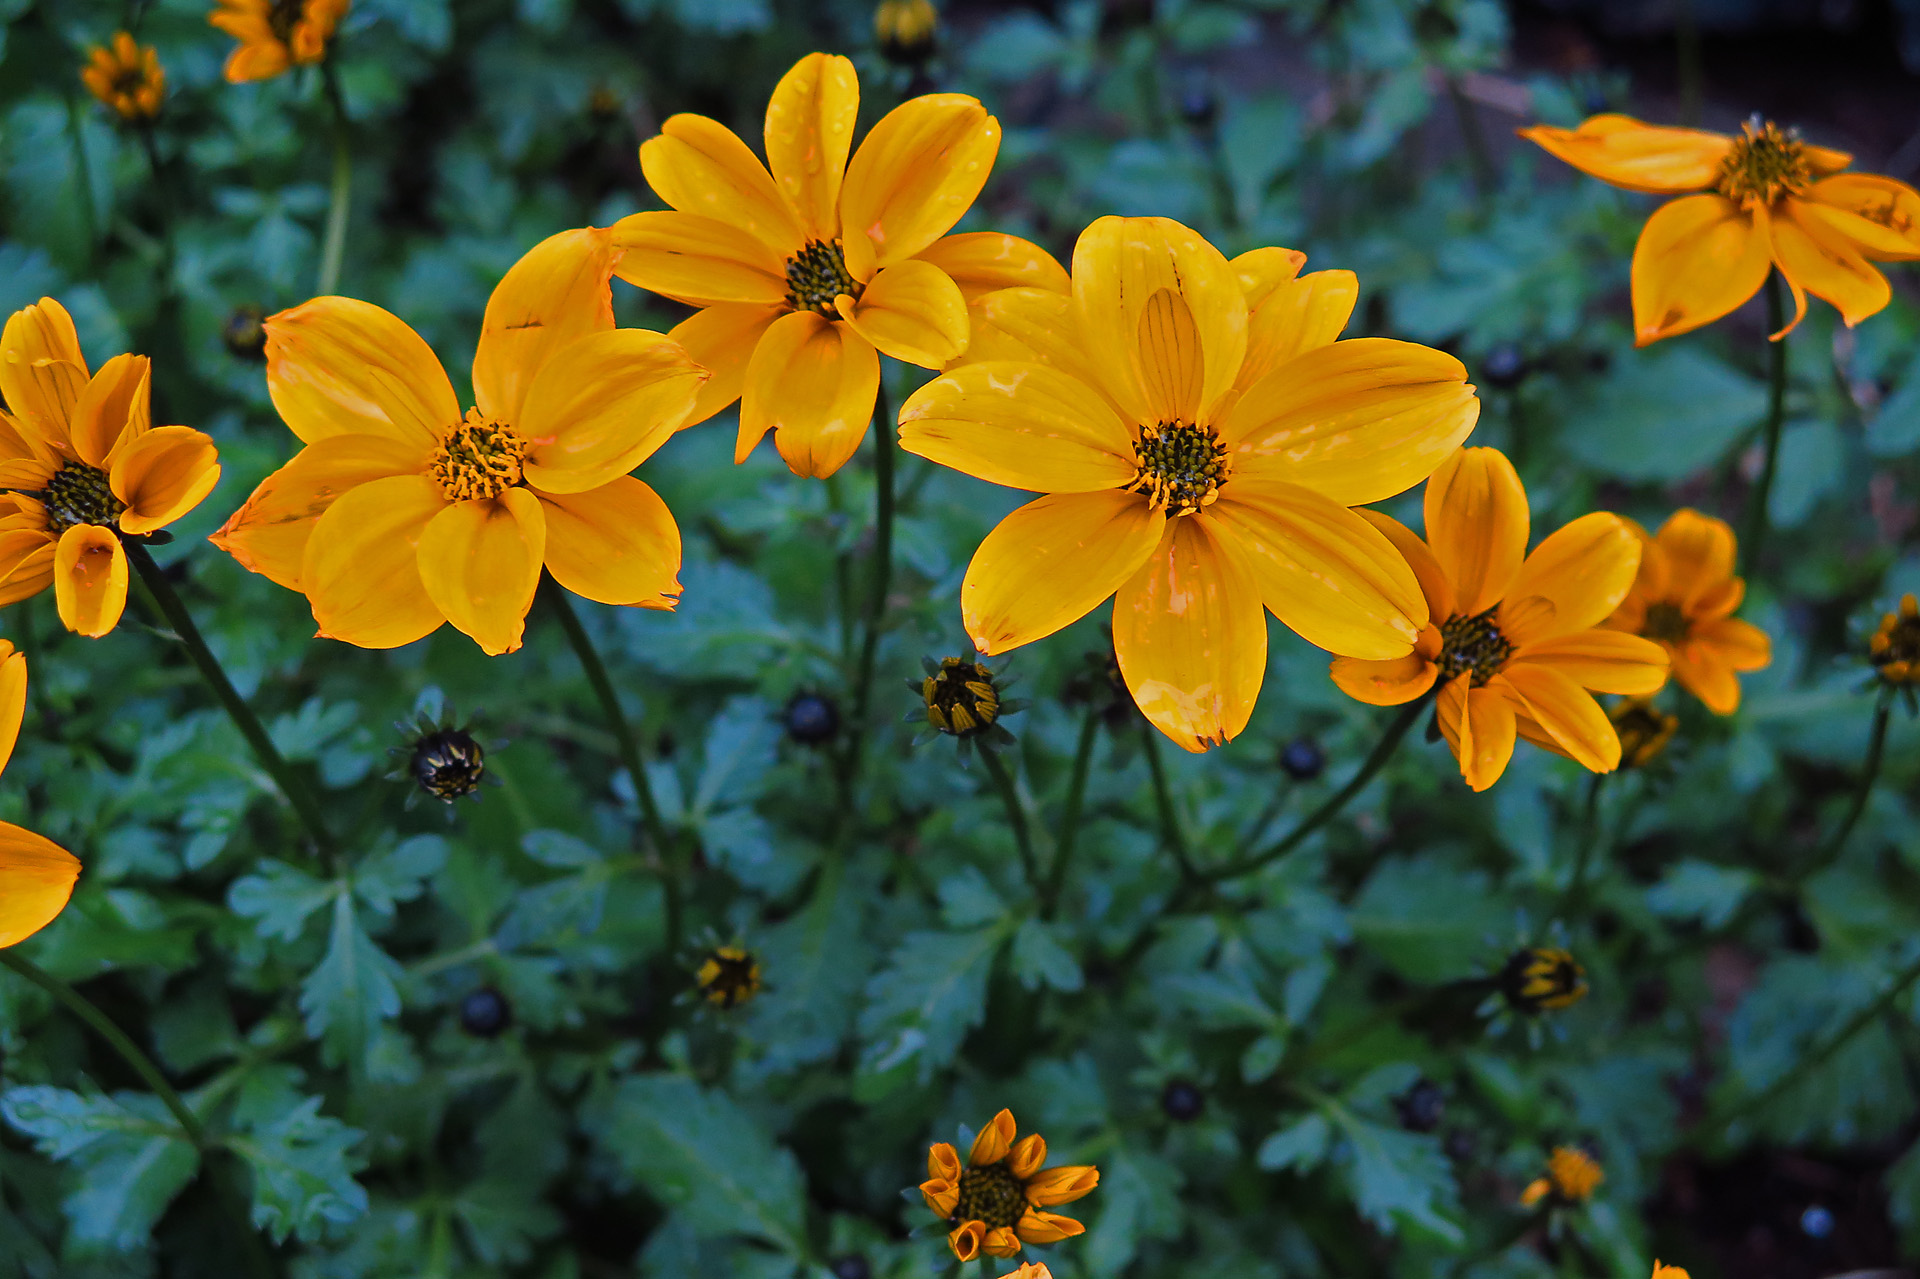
(1261, 271)
(90, 579)
(1022, 425)
(361, 571)
(1604, 661)
(1744, 646)
(721, 340)
(1441, 601)
(993, 1142)
(1826, 265)
(1025, 1158)
(26, 563)
(698, 260)
(1393, 682)
(36, 881)
(965, 1239)
(1046, 1227)
(336, 366)
(1479, 727)
(912, 312)
(981, 262)
(1566, 711)
(616, 544)
(1640, 157)
(1048, 564)
(1358, 421)
(42, 371)
(115, 404)
(1880, 215)
(1172, 367)
(813, 383)
(1296, 317)
(1697, 259)
(1332, 577)
(550, 298)
(13, 699)
(943, 1162)
(1191, 636)
(809, 132)
(916, 172)
(162, 475)
(1036, 326)
(480, 562)
(699, 166)
(1001, 1241)
(602, 405)
(1477, 525)
(1705, 672)
(1696, 554)
(1583, 570)
(1062, 1185)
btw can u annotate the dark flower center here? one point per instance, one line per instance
(991, 1194)
(816, 275)
(729, 977)
(1643, 732)
(479, 459)
(80, 494)
(1765, 163)
(283, 16)
(1181, 466)
(961, 699)
(449, 764)
(1472, 644)
(1666, 623)
(1542, 978)
(1896, 647)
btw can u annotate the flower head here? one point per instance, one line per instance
(906, 30)
(448, 763)
(961, 698)
(1542, 978)
(1762, 200)
(996, 1202)
(1668, 1272)
(276, 34)
(1199, 436)
(1643, 729)
(807, 267)
(127, 77)
(81, 467)
(1683, 600)
(728, 976)
(401, 513)
(1894, 649)
(1572, 1177)
(36, 874)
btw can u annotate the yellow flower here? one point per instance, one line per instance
(127, 77)
(961, 698)
(1516, 641)
(1668, 1272)
(400, 514)
(1200, 436)
(81, 466)
(994, 1204)
(802, 273)
(1643, 728)
(1572, 1177)
(1764, 199)
(36, 874)
(728, 976)
(1895, 647)
(1541, 979)
(276, 34)
(906, 30)
(1683, 600)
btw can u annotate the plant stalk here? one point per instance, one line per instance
(1170, 833)
(1070, 813)
(1756, 530)
(1016, 815)
(1583, 854)
(880, 582)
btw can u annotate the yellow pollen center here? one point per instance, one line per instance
(478, 459)
(1472, 644)
(991, 1194)
(80, 494)
(1766, 162)
(816, 275)
(1181, 467)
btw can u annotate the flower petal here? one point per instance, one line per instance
(1035, 326)
(602, 405)
(1696, 554)
(1697, 259)
(1583, 570)
(912, 312)
(616, 544)
(698, 260)
(1261, 271)
(916, 172)
(982, 261)
(943, 1161)
(13, 699)
(42, 371)
(1027, 1155)
(965, 1239)
(336, 366)
(942, 1196)
(1000, 1241)
(1023, 425)
(162, 475)
(1601, 660)
(1478, 724)
(26, 563)
(480, 562)
(552, 297)
(1441, 600)
(721, 339)
(1880, 215)
(115, 406)
(700, 166)
(1051, 562)
(90, 579)
(1744, 646)
(1704, 671)
(1640, 157)
(809, 132)
(1296, 317)
(1191, 636)
(1393, 682)
(361, 569)
(1566, 711)
(36, 881)
(813, 382)
(1477, 525)
(1046, 1227)
(993, 1142)
(1827, 264)
(1062, 1185)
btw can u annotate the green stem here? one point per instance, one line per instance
(89, 210)
(163, 190)
(1756, 531)
(1583, 854)
(341, 198)
(1170, 833)
(166, 601)
(879, 584)
(1869, 774)
(1070, 813)
(1016, 815)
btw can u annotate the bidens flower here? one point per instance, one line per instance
(1764, 199)
(906, 30)
(1643, 729)
(1542, 978)
(728, 976)
(36, 874)
(401, 514)
(1683, 600)
(1514, 642)
(1572, 1177)
(276, 34)
(81, 466)
(806, 272)
(127, 77)
(1200, 436)
(994, 1203)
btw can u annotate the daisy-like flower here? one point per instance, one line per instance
(1683, 600)
(1200, 436)
(996, 1202)
(1894, 649)
(1572, 1177)
(1764, 199)
(1644, 730)
(36, 874)
(127, 77)
(82, 466)
(728, 976)
(1515, 643)
(401, 514)
(1668, 1272)
(806, 272)
(1542, 979)
(276, 34)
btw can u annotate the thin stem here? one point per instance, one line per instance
(164, 191)
(879, 584)
(1862, 791)
(89, 209)
(1583, 853)
(1756, 532)
(1070, 813)
(166, 601)
(341, 197)
(1016, 815)
(1170, 833)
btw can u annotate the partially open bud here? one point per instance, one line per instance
(1540, 978)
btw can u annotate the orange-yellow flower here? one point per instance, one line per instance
(400, 514)
(806, 272)
(1661, 1271)
(995, 1203)
(36, 874)
(81, 465)
(1572, 1177)
(1683, 600)
(276, 34)
(1764, 199)
(1515, 640)
(1200, 436)
(127, 77)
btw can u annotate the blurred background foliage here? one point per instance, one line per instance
(469, 1053)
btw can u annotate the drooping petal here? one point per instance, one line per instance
(700, 166)
(981, 262)
(1697, 259)
(42, 371)
(616, 544)
(1744, 646)
(361, 570)
(1191, 636)
(1263, 270)
(1051, 562)
(813, 382)
(1026, 1156)
(115, 403)
(26, 562)
(90, 579)
(1477, 525)
(721, 339)
(1640, 157)
(1880, 215)
(808, 134)
(1566, 711)
(1602, 660)
(1478, 724)
(602, 405)
(1023, 425)
(1827, 265)
(698, 260)
(1062, 1185)
(36, 881)
(1393, 682)
(910, 311)
(337, 366)
(162, 475)
(13, 699)
(1358, 421)
(1296, 317)
(1583, 570)
(1696, 554)
(552, 297)
(1442, 603)
(1704, 671)
(916, 173)
(993, 1142)
(480, 562)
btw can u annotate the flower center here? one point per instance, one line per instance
(1643, 732)
(1895, 648)
(961, 699)
(283, 16)
(816, 275)
(729, 977)
(1181, 466)
(128, 81)
(1766, 163)
(1472, 644)
(1666, 623)
(991, 1194)
(80, 494)
(479, 459)
(449, 764)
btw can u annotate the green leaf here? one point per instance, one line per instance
(302, 1162)
(931, 993)
(1397, 1178)
(1300, 1146)
(354, 989)
(1040, 960)
(1663, 414)
(129, 1153)
(399, 874)
(739, 751)
(1426, 918)
(280, 899)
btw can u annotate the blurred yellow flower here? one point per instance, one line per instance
(1572, 1177)
(906, 30)
(1764, 199)
(1644, 730)
(1515, 640)
(803, 275)
(276, 34)
(1668, 1272)
(728, 976)
(36, 874)
(80, 466)
(1200, 436)
(127, 77)
(1895, 647)
(1683, 600)
(1543, 979)
(994, 1203)
(401, 514)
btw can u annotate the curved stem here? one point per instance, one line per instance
(1016, 815)
(1070, 813)
(341, 198)
(166, 601)
(879, 584)
(1170, 833)
(1756, 531)
(1583, 854)
(1862, 791)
